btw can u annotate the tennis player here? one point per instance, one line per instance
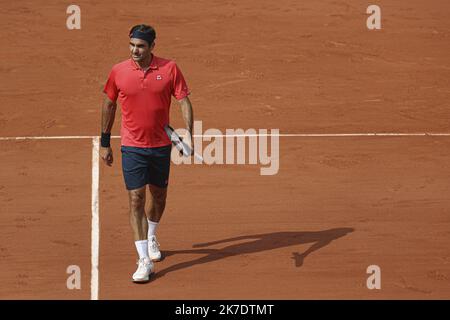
(144, 85)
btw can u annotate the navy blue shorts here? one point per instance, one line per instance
(142, 166)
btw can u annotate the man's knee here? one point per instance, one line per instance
(137, 200)
(159, 202)
(159, 195)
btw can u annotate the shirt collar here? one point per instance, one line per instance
(153, 63)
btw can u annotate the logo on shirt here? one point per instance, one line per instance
(158, 77)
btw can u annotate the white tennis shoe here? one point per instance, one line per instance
(153, 249)
(144, 270)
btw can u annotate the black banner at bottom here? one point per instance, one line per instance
(226, 309)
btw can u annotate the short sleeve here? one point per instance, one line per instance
(179, 86)
(110, 87)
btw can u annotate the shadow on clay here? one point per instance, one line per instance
(256, 243)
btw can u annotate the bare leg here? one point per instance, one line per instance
(155, 208)
(138, 220)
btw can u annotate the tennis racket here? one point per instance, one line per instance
(177, 141)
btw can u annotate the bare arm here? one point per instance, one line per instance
(108, 115)
(188, 117)
(188, 113)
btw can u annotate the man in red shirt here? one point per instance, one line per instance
(144, 85)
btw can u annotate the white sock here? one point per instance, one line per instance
(151, 228)
(142, 248)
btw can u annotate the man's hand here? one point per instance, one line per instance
(107, 155)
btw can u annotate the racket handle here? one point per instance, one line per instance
(199, 157)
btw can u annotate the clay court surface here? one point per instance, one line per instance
(337, 204)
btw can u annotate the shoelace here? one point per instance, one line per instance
(155, 245)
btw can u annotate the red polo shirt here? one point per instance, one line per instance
(145, 99)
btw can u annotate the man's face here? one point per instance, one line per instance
(140, 50)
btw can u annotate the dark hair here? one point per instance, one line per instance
(144, 29)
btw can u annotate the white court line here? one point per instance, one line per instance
(95, 226)
(374, 134)
(369, 134)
